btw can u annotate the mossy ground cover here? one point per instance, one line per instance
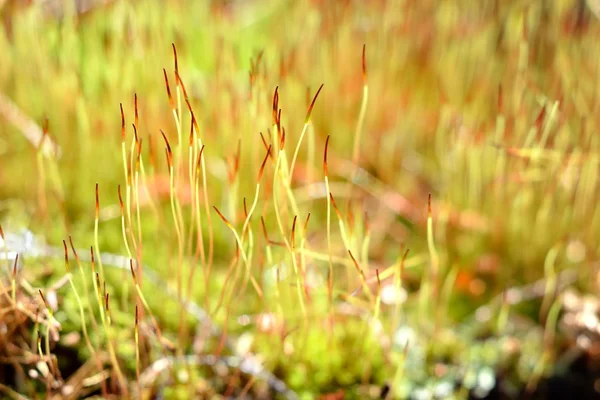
(279, 199)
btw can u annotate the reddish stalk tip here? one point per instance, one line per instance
(92, 256)
(429, 206)
(135, 108)
(122, 123)
(264, 229)
(120, 199)
(73, 248)
(139, 153)
(14, 271)
(97, 202)
(293, 235)
(44, 299)
(222, 216)
(132, 271)
(136, 317)
(354, 261)
(169, 152)
(325, 169)
(275, 105)
(263, 140)
(306, 224)
(282, 130)
(180, 83)
(262, 166)
(175, 58)
(312, 104)
(135, 135)
(66, 256)
(199, 158)
(1, 233)
(193, 119)
(378, 280)
(98, 286)
(364, 64)
(335, 207)
(171, 102)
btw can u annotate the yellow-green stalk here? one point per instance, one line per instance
(41, 354)
(304, 129)
(330, 271)
(280, 224)
(177, 117)
(340, 223)
(205, 195)
(136, 192)
(361, 275)
(430, 242)
(234, 183)
(89, 307)
(96, 284)
(361, 115)
(255, 201)
(13, 282)
(137, 353)
(371, 325)
(400, 371)
(81, 312)
(144, 302)
(244, 258)
(126, 164)
(96, 242)
(47, 338)
(551, 281)
(199, 233)
(292, 249)
(250, 245)
(178, 231)
(268, 251)
(123, 229)
(101, 306)
(433, 258)
(106, 322)
(302, 246)
(192, 178)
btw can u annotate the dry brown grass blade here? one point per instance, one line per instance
(32, 131)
